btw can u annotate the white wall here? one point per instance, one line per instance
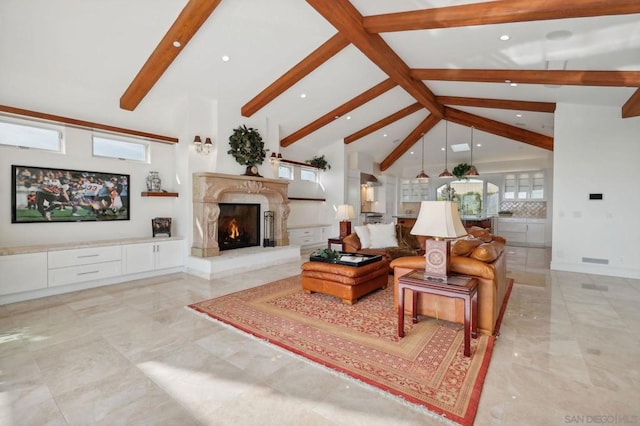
(78, 156)
(596, 151)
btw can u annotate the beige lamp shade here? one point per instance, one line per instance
(345, 212)
(439, 219)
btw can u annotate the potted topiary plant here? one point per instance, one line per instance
(460, 170)
(320, 162)
(247, 147)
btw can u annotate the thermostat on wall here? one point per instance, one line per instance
(595, 196)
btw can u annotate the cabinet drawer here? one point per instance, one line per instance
(77, 274)
(511, 227)
(514, 237)
(84, 256)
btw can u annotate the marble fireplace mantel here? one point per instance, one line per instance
(209, 189)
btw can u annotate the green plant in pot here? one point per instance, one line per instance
(247, 147)
(461, 170)
(328, 255)
(320, 162)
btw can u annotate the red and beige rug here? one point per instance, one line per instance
(426, 367)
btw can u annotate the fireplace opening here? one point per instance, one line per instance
(238, 225)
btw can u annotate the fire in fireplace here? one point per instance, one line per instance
(238, 225)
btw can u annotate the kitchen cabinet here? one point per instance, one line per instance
(522, 231)
(414, 191)
(523, 186)
(23, 272)
(145, 257)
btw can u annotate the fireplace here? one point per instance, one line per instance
(238, 225)
(213, 190)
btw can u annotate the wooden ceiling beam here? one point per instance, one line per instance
(497, 12)
(569, 78)
(384, 122)
(191, 18)
(319, 56)
(499, 129)
(498, 103)
(424, 127)
(631, 108)
(348, 21)
(348, 106)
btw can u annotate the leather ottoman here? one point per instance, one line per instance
(348, 283)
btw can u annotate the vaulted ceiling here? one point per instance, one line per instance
(380, 74)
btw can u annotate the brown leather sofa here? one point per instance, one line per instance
(408, 245)
(483, 257)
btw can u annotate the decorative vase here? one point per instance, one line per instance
(153, 182)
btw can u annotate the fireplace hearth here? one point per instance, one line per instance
(238, 225)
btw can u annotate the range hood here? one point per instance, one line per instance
(369, 180)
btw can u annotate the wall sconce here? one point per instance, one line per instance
(203, 148)
(275, 159)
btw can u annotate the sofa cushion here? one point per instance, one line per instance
(406, 239)
(480, 233)
(487, 252)
(383, 235)
(363, 235)
(464, 246)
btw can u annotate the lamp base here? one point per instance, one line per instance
(345, 228)
(437, 259)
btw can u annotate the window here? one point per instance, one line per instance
(26, 135)
(285, 172)
(121, 148)
(475, 197)
(309, 174)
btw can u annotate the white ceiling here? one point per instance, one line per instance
(90, 51)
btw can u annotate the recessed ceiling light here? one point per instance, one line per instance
(479, 145)
(384, 135)
(513, 84)
(518, 115)
(460, 147)
(411, 152)
(504, 37)
(559, 35)
(442, 149)
(176, 44)
(303, 95)
(225, 58)
(348, 117)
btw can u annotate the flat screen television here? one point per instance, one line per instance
(44, 194)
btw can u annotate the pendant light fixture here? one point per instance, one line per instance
(446, 173)
(422, 175)
(472, 170)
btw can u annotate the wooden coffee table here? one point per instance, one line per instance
(457, 286)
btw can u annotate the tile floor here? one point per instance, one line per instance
(132, 354)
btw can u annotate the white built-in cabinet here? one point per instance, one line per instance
(48, 270)
(309, 235)
(522, 231)
(23, 272)
(151, 256)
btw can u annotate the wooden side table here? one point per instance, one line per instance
(335, 240)
(457, 286)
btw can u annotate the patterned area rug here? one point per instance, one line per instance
(426, 367)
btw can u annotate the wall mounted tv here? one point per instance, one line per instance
(43, 194)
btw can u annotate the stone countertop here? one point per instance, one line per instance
(308, 225)
(7, 251)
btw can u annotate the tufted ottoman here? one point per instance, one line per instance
(348, 283)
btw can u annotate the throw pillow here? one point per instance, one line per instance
(405, 238)
(383, 235)
(363, 235)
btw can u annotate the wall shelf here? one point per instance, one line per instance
(159, 194)
(307, 199)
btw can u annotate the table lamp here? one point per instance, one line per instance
(440, 221)
(344, 213)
